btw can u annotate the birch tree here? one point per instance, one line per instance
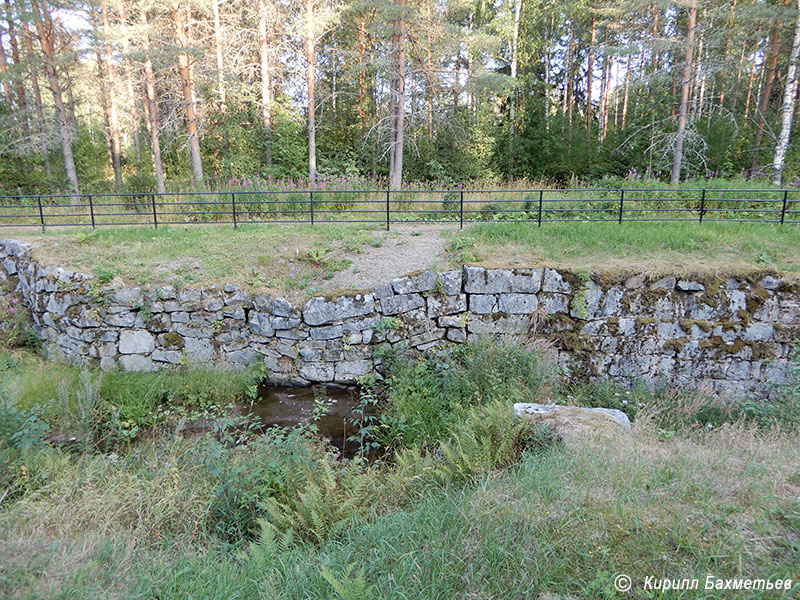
(787, 111)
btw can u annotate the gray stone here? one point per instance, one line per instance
(245, 356)
(136, 362)
(482, 304)
(107, 363)
(194, 331)
(394, 305)
(198, 350)
(419, 282)
(230, 288)
(487, 281)
(514, 304)
(553, 303)
(454, 321)
(319, 311)
(526, 281)
(450, 283)
(554, 282)
(319, 372)
(686, 285)
(759, 332)
(129, 296)
(458, 336)
(770, 283)
(665, 283)
(172, 357)
(283, 323)
(526, 409)
(330, 332)
(635, 282)
(179, 317)
(136, 341)
(259, 323)
(262, 303)
(439, 305)
(383, 291)
(350, 370)
(282, 308)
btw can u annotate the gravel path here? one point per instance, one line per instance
(405, 248)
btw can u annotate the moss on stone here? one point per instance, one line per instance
(687, 324)
(642, 321)
(676, 345)
(756, 296)
(173, 341)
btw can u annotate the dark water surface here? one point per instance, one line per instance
(289, 406)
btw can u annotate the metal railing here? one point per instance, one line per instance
(394, 206)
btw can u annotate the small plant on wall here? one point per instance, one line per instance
(15, 322)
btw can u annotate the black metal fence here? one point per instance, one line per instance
(395, 206)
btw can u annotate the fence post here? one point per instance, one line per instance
(41, 212)
(311, 204)
(541, 192)
(785, 201)
(91, 209)
(387, 210)
(155, 218)
(702, 206)
(461, 211)
(233, 206)
(621, 204)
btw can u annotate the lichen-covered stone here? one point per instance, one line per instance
(136, 341)
(393, 305)
(515, 304)
(319, 311)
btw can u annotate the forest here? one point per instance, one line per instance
(165, 95)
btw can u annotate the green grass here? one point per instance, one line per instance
(631, 247)
(479, 506)
(291, 260)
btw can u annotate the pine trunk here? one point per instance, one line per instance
(37, 98)
(111, 86)
(185, 70)
(152, 113)
(44, 29)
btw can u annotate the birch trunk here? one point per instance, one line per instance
(397, 108)
(787, 112)
(266, 85)
(683, 116)
(218, 48)
(771, 67)
(513, 100)
(312, 101)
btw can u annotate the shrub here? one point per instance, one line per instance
(429, 395)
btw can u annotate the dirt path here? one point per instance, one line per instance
(405, 248)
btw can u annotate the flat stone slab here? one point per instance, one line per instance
(571, 422)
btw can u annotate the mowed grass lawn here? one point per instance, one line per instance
(298, 260)
(656, 247)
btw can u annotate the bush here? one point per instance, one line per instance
(429, 395)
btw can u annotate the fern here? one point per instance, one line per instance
(350, 587)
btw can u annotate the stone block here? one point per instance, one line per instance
(482, 304)
(319, 311)
(136, 341)
(394, 305)
(517, 304)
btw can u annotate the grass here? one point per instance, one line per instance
(491, 512)
(640, 247)
(292, 260)
(564, 522)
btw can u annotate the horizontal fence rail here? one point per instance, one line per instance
(385, 207)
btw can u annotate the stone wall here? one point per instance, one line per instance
(733, 333)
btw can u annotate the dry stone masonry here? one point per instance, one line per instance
(733, 333)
